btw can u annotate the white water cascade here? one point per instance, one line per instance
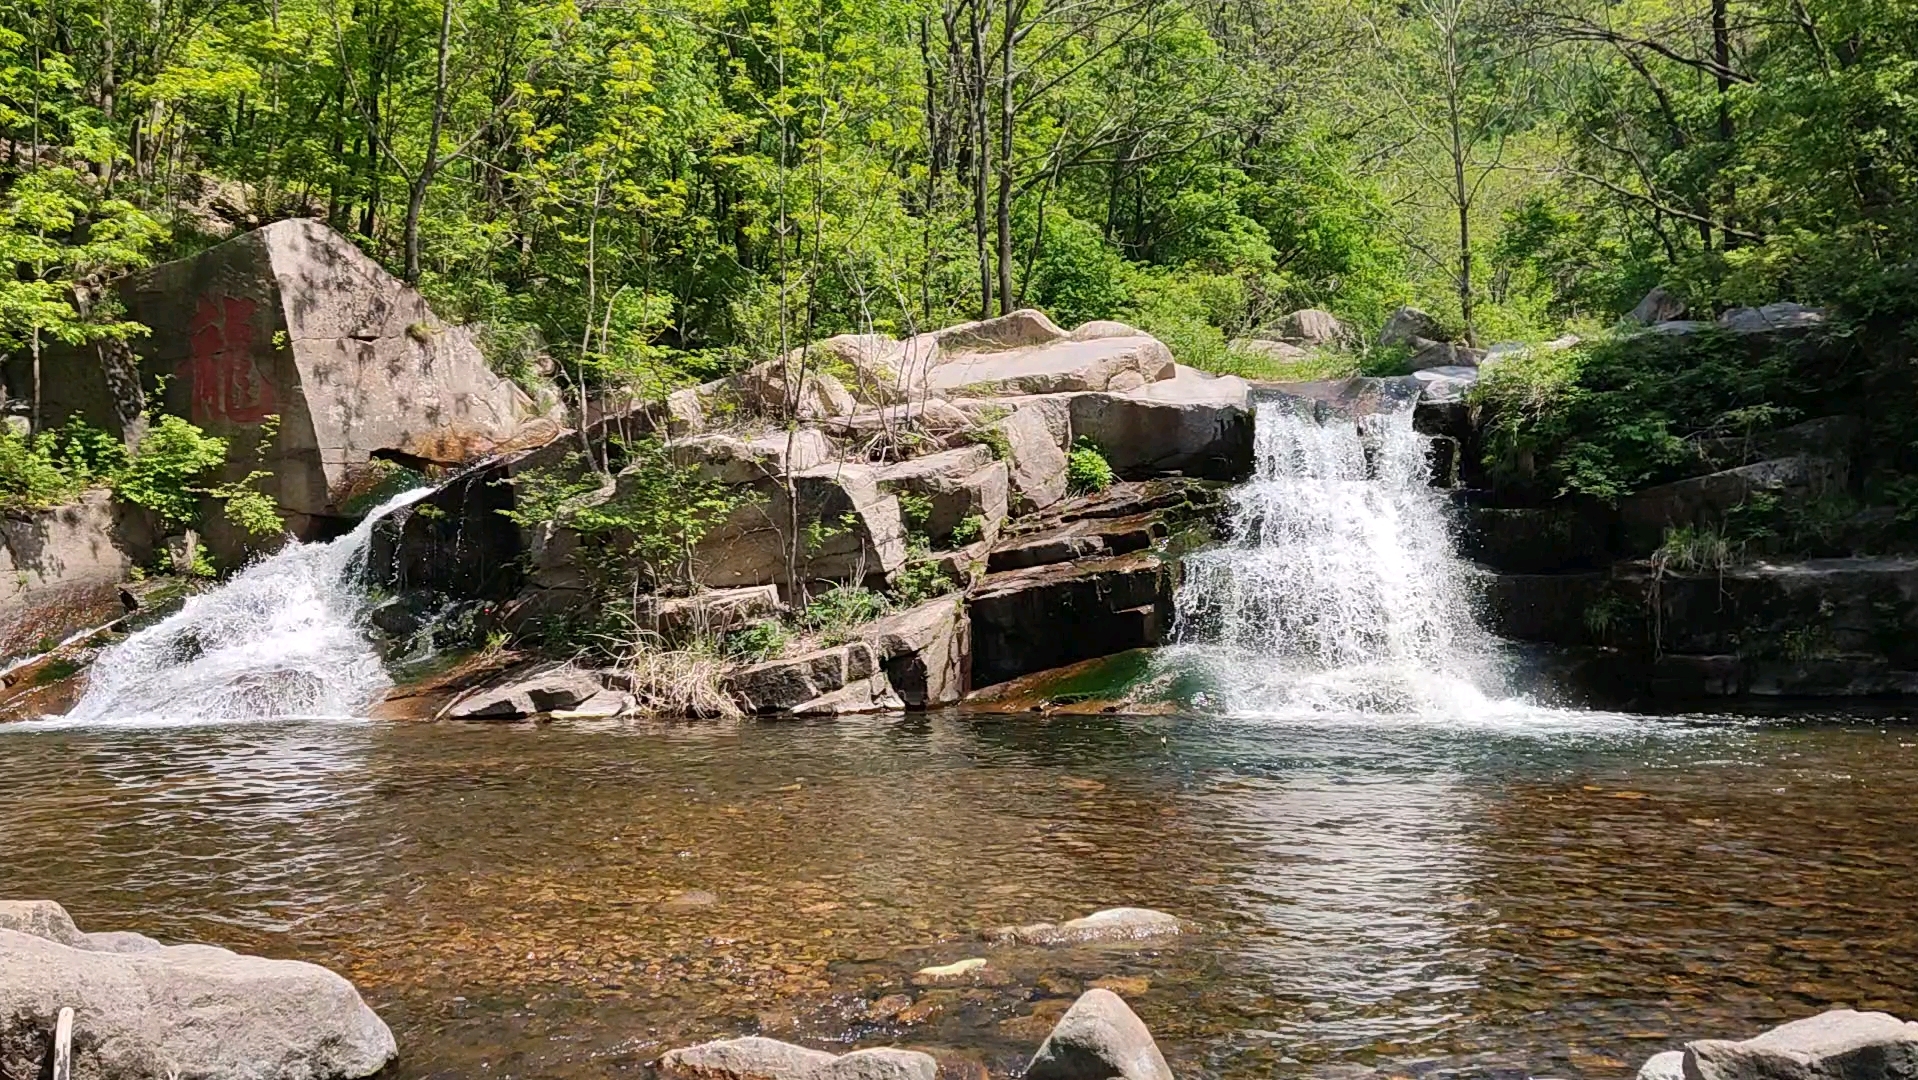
(285, 637)
(1338, 591)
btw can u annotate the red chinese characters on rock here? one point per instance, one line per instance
(227, 385)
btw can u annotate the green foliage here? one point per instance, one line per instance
(31, 473)
(970, 530)
(165, 474)
(994, 438)
(657, 513)
(915, 510)
(919, 582)
(761, 641)
(1087, 470)
(836, 613)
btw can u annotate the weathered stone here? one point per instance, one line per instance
(764, 390)
(60, 570)
(1445, 383)
(1078, 539)
(1659, 305)
(1112, 604)
(749, 1058)
(1704, 500)
(731, 459)
(294, 321)
(926, 651)
(1408, 323)
(781, 685)
(1102, 328)
(861, 535)
(712, 612)
(1831, 437)
(1112, 924)
(526, 691)
(145, 1010)
(1096, 364)
(883, 1063)
(1772, 318)
(1280, 351)
(1191, 425)
(1021, 329)
(1358, 395)
(1535, 541)
(957, 484)
(874, 693)
(1036, 466)
(1099, 1038)
(1836, 1045)
(1314, 327)
(1441, 354)
(1669, 1065)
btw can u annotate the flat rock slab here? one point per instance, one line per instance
(1106, 363)
(1099, 1038)
(143, 1009)
(527, 691)
(884, 1063)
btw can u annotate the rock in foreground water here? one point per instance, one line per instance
(1837, 1045)
(751, 1058)
(880, 1064)
(145, 1010)
(1099, 1038)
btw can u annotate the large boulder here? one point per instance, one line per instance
(1781, 317)
(965, 482)
(1111, 604)
(145, 1010)
(1406, 324)
(293, 321)
(925, 651)
(786, 684)
(1659, 305)
(1194, 424)
(712, 612)
(1035, 461)
(1836, 1045)
(1705, 500)
(1313, 327)
(533, 690)
(880, 1063)
(850, 530)
(61, 569)
(734, 459)
(1099, 1038)
(1104, 363)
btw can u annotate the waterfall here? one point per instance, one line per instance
(1338, 589)
(285, 637)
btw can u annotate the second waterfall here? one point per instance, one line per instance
(1338, 590)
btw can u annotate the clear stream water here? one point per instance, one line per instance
(1393, 865)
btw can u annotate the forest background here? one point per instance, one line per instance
(643, 194)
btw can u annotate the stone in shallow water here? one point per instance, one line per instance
(1112, 924)
(1836, 1045)
(955, 970)
(749, 1058)
(1099, 1038)
(880, 1064)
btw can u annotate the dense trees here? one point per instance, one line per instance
(652, 192)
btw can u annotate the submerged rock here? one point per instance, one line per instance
(1099, 1038)
(144, 1010)
(1112, 924)
(750, 1058)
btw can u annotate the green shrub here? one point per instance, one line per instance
(165, 472)
(835, 613)
(970, 530)
(921, 581)
(914, 509)
(1087, 470)
(762, 640)
(31, 477)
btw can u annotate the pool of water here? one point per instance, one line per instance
(1555, 894)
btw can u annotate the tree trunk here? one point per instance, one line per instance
(1004, 222)
(982, 157)
(416, 194)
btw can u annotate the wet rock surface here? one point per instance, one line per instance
(1099, 1038)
